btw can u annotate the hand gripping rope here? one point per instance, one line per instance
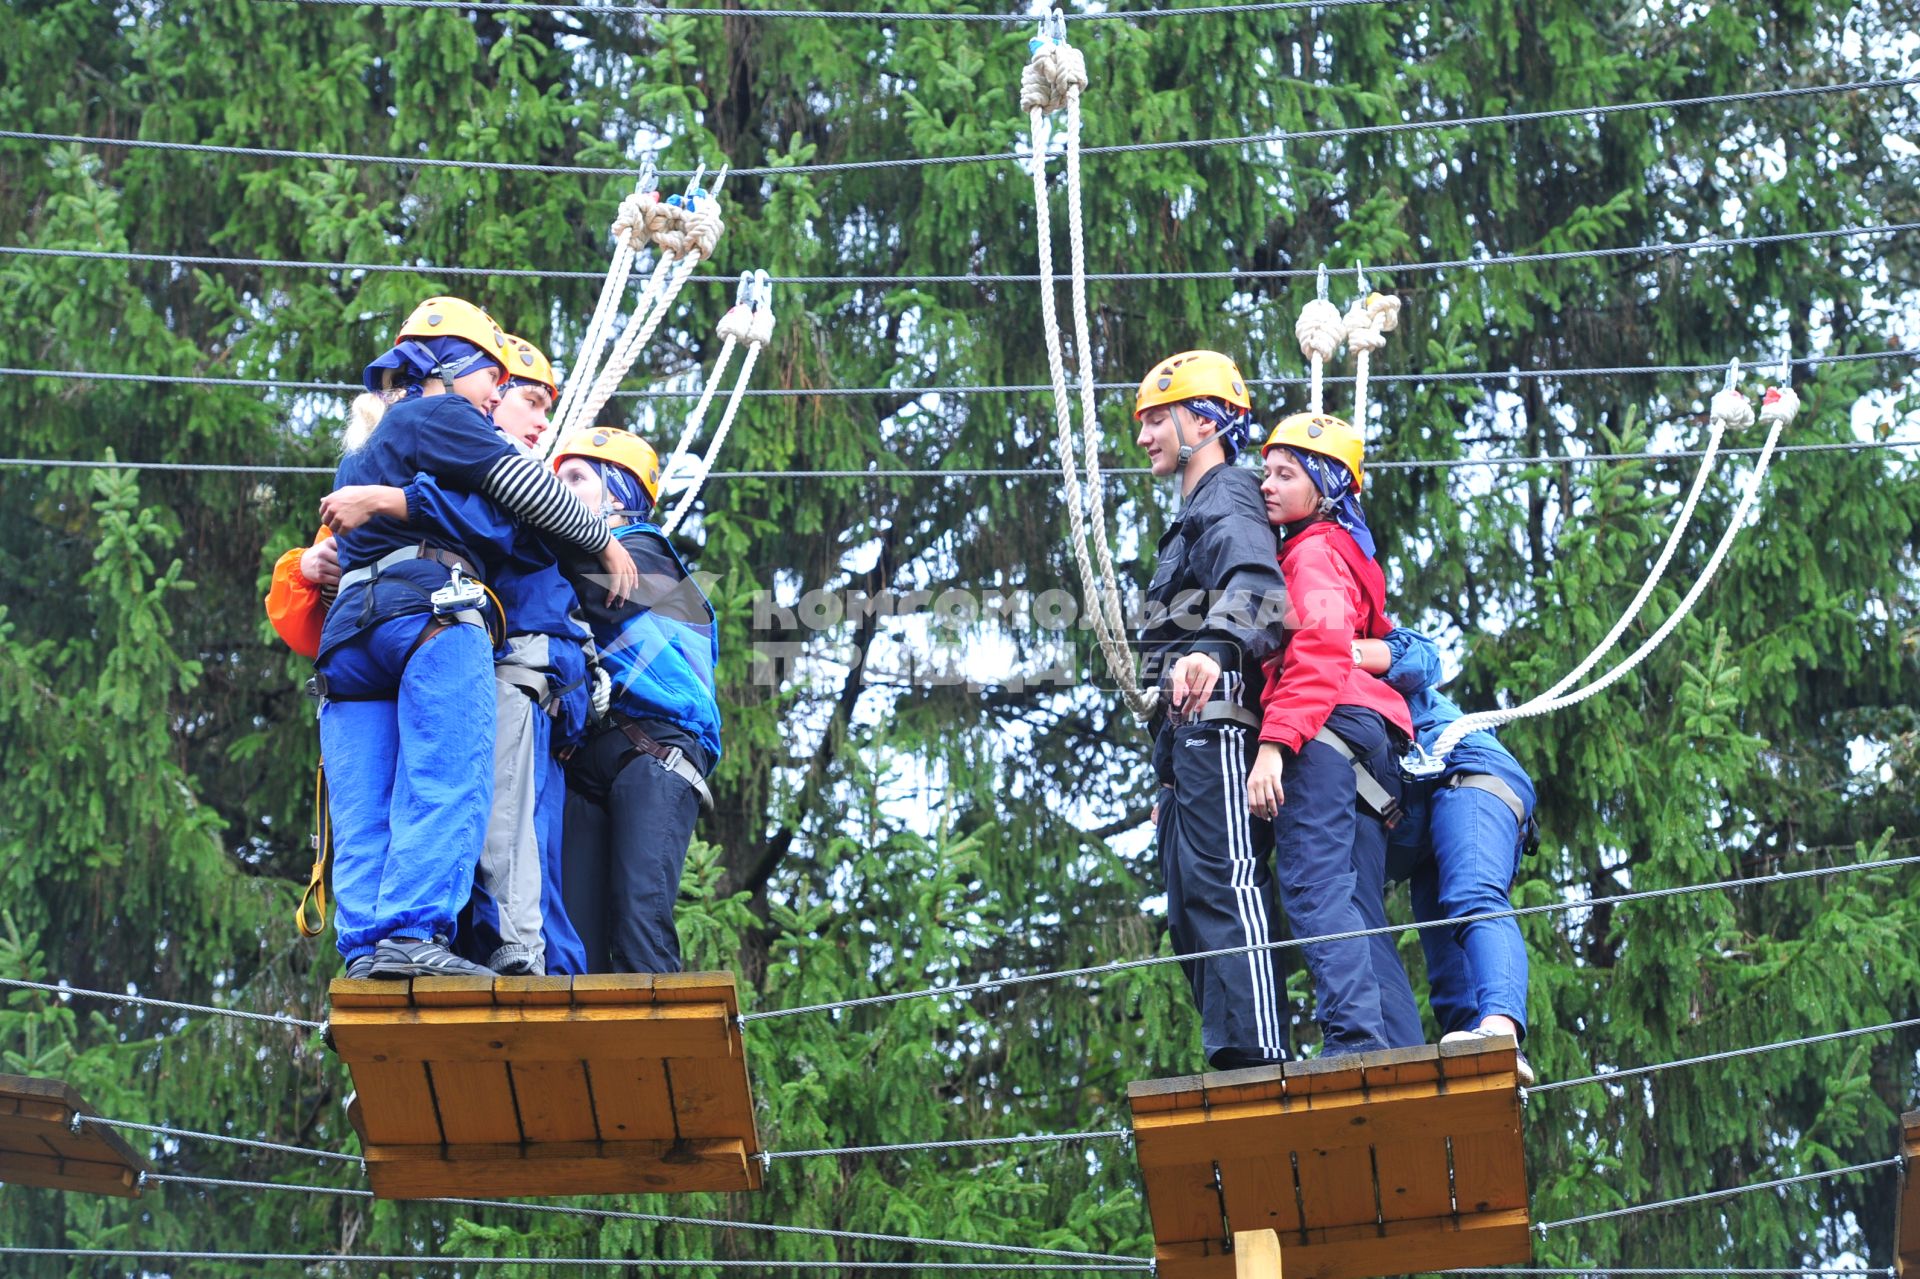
(1729, 409)
(683, 230)
(1366, 325)
(749, 320)
(1320, 331)
(1055, 77)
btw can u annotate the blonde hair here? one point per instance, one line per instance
(364, 415)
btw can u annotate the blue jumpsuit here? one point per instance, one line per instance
(1461, 847)
(407, 714)
(629, 818)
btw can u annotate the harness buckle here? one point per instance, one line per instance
(460, 594)
(1418, 763)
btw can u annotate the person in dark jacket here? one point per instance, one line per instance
(405, 662)
(637, 783)
(1327, 774)
(1213, 615)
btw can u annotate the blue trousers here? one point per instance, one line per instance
(408, 744)
(1331, 856)
(1466, 867)
(1213, 857)
(628, 823)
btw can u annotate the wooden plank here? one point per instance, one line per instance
(453, 992)
(39, 1126)
(630, 1097)
(1401, 1248)
(1490, 1161)
(555, 1103)
(1907, 1215)
(1336, 1188)
(1464, 1057)
(1156, 1096)
(1226, 1087)
(56, 1173)
(1256, 1254)
(1328, 1121)
(1414, 1179)
(1402, 1066)
(613, 988)
(368, 992)
(396, 1103)
(1327, 1074)
(34, 1088)
(532, 990)
(1184, 1204)
(476, 1102)
(711, 1099)
(536, 1033)
(1260, 1193)
(587, 1168)
(697, 988)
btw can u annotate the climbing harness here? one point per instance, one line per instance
(1054, 78)
(310, 915)
(1366, 786)
(1729, 409)
(683, 230)
(749, 320)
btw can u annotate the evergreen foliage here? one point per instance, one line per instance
(881, 832)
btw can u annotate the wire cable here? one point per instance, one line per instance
(916, 162)
(1388, 930)
(1109, 277)
(616, 1214)
(676, 1263)
(162, 1130)
(967, 1143)
(674, 11)
(1012, 472)
(1710, 1195)
(1634, 1072)
(912, 392)
(172, 1005)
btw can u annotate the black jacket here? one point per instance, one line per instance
(1216, 587)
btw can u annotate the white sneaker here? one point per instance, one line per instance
(1522, 1068)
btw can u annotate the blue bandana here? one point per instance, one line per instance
(1234, 423)
(623, 487)
(417, 359)
(1335, 483)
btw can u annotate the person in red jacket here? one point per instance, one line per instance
(1327, 772)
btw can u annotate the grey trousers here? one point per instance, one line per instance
(509, 868)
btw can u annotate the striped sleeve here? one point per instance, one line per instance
(533, 493)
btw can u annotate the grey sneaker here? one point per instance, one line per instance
(1522, 1068)
(515, 961)
(398, 958)
(361, 968)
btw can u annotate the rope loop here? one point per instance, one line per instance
(1054, 70)
(1320, 330)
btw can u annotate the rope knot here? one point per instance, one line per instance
(760, 331)
(1055, 71)
(704, 226)
(1362, 330)
(737, 323)
(1731, 410)
(633, 222)
(1779, 406)
(1320, 330)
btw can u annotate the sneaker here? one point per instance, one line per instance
(1522, 1068)
(515, 961)
(398, 958)
(360, 968)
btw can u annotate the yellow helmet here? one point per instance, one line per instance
(622, 448)
(1191, 375)
(1325, 434)
(529, 363)
(458, 318)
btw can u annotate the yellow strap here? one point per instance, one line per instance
(310, 916)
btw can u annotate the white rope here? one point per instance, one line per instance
(1777, 410)
(1366, 325)
(732, 329)
(626, 224)
(1320, 331)
(756, 329)
(1053, 78)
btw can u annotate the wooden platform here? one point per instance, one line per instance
(625, 1084)
(38, 1146)
(1374, 1164)
(1906, 1231)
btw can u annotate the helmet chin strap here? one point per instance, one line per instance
(1187, 450)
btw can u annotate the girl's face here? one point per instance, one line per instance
(480, 387)
(522, 412)
(584, 481)
(1288, 489)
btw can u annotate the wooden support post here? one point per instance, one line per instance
(1256, 1254)
(1907, 1215)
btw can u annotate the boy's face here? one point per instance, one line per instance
(522, 413)
(1162, 442)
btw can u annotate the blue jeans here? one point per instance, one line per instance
(408, 744)
(1331, 858)
(1474, 970)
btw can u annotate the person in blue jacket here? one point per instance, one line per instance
(637, 783)
(1460, 844)
(404, 670)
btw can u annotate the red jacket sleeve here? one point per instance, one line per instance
(1307, 681)
(296, 607)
